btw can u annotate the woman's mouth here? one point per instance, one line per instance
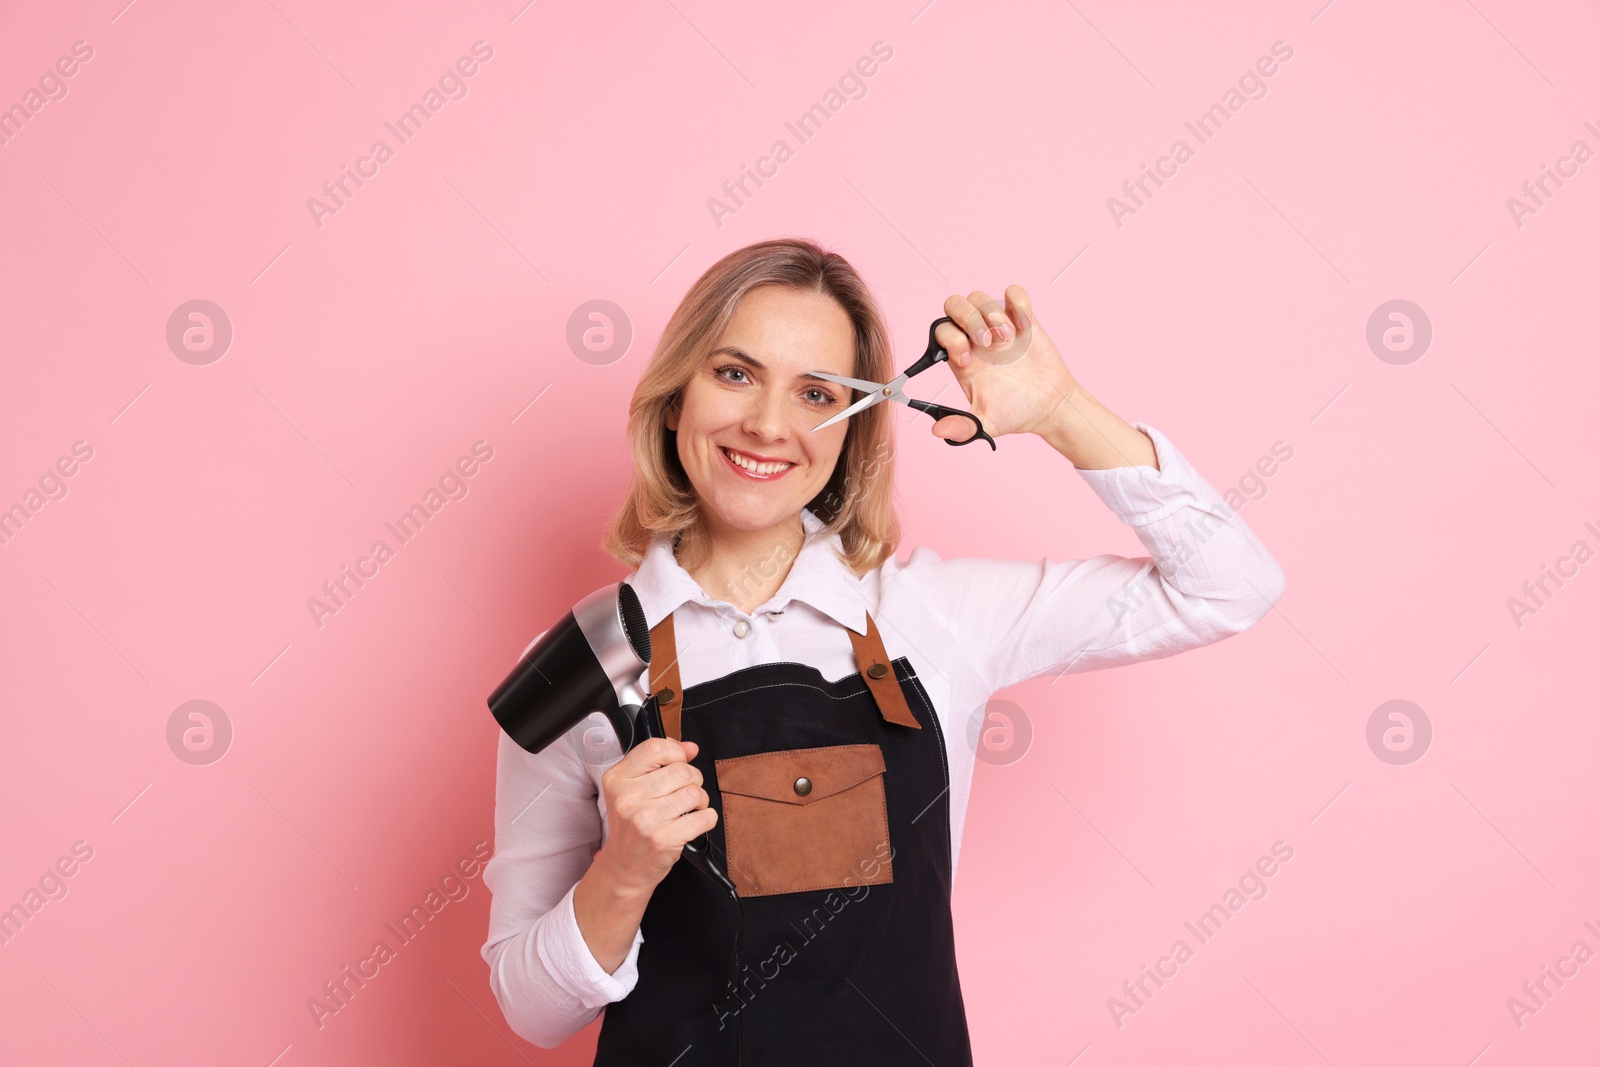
(752, 468)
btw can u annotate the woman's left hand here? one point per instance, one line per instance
(1014, 378)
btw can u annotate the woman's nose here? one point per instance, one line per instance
(768, 417)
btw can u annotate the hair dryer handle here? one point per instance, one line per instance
(647, 723)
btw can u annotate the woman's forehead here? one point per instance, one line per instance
(790, 336)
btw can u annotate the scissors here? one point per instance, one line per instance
(877, 392)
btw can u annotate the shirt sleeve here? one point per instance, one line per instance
(547, 828)
(1207, 577)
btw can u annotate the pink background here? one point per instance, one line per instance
(368, 354)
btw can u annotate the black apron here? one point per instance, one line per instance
(863, 973)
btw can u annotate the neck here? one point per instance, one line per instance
(746, 567)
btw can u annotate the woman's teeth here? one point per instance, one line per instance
(752, 466)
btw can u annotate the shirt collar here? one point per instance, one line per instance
(818, 578)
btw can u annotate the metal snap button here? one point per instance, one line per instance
(741, 628)
(876, 671)
(802, 786)
(666, 696)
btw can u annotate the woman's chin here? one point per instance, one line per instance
(751, 516)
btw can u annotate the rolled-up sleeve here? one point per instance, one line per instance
(547, 829)
(1206, 577)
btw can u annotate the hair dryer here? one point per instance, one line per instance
(594, 659)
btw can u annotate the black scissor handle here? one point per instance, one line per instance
(935, 352)
(939, 411)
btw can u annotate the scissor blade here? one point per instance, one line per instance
(860, 405)
(880, 393)
(858, 384)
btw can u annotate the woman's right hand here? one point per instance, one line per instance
(655, 805)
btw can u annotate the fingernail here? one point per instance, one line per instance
(983, 337)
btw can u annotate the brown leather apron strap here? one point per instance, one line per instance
(871, 660)
(878, 672)
(665, 685)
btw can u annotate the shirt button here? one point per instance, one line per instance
(741, 628)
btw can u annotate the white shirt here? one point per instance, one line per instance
(970, 627)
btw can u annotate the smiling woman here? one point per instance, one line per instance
(812, 687)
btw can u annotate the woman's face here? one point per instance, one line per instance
(744, 425)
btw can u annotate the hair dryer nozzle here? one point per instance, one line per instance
(592, 660)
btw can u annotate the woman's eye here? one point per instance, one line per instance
(815, 396)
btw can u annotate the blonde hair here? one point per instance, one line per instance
(858, 501)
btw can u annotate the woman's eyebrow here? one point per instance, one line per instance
(740, 354)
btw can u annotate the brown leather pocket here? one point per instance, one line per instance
(805, 818)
